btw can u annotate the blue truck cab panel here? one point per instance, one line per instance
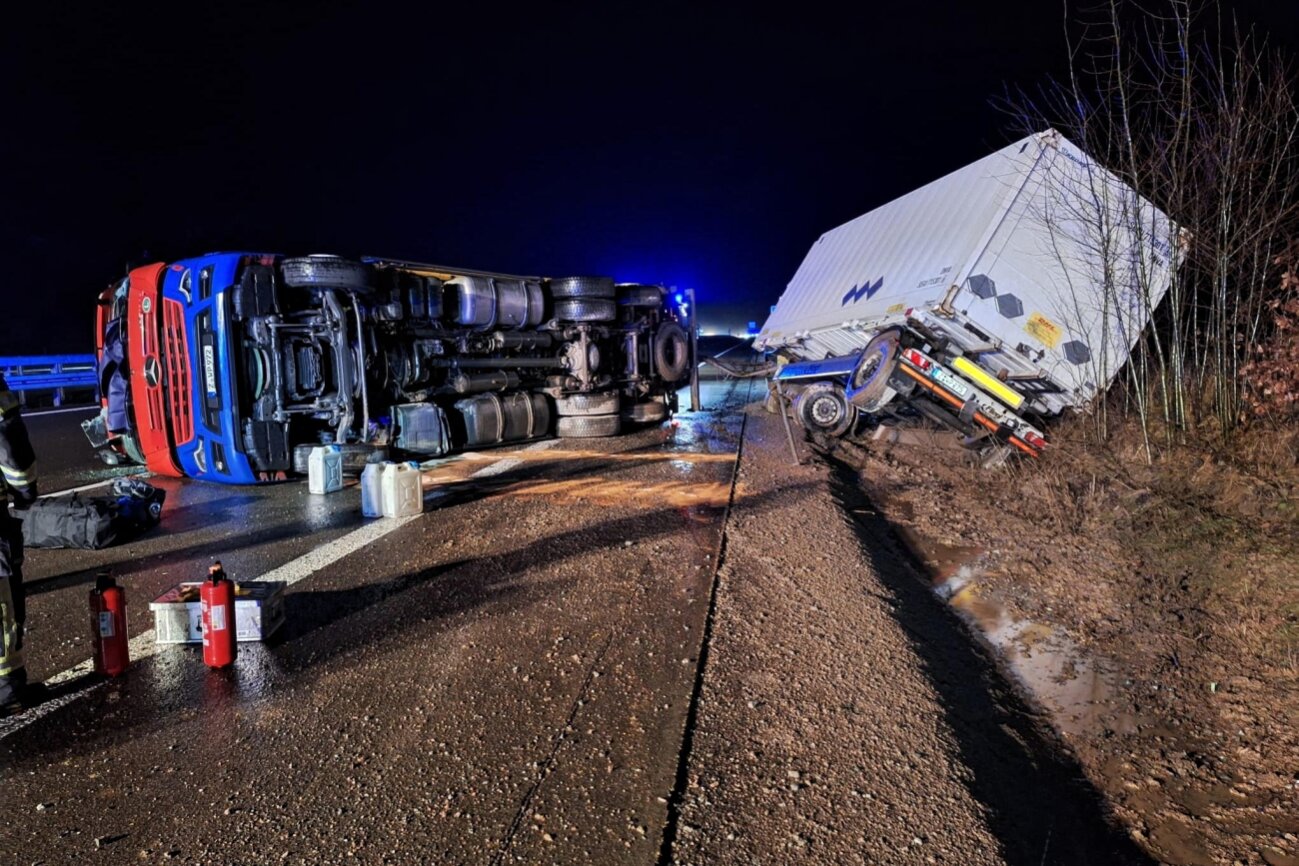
(835, 369)
(200, 286)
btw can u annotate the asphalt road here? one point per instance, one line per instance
(505, 677)
(666, 647)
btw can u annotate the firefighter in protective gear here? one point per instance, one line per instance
(18, 469)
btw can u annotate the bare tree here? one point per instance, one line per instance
(1198, 115)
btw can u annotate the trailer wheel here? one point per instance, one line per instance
(671, 352)
(870, 378)
(326, 272)
(640, 296)
(582, 287)
(823, 408)
(596, 403)
(588, 426)
(585, 310)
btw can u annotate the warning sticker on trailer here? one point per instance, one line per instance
(1044, 330)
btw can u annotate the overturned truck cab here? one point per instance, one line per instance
(231, 367)
(988, 301)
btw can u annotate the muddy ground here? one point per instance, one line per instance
(1150, 611)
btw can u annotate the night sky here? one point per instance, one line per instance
(703, 146)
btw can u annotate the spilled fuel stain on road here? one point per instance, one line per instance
(586, 482)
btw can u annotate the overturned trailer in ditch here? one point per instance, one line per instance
(989, 300)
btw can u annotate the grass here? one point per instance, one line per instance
(1216, 531)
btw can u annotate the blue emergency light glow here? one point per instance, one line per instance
(681, 299)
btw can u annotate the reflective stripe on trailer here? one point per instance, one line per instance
(982, 419)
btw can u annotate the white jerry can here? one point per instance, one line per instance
(403, 494)
(325, 469)
(372, 489)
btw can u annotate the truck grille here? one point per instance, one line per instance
(176, 360)
(149, 349)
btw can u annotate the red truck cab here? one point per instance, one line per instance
(144, 436)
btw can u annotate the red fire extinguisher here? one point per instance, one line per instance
(217, 598)
(108, 626)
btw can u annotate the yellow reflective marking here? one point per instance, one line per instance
(19, 476)
(992, 385)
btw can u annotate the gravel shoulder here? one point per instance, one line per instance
(1149, 607)
(844, 713)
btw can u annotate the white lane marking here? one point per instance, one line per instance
(142, 646)
(27, 414)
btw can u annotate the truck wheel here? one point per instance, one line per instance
(588, 426)
(582, 287)
(671, 352)
(326, 272)
(596, 403)
(645, 413)
(823, 408)
(640, 296)
(870, 378)
(585, 310)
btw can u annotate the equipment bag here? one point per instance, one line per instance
(93, 522)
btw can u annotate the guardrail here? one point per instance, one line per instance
(56, 373)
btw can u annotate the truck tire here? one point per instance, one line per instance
(870, 378)
(588, 426)
(582, 287)
(596, 403)
(326, 272)
(355, 456)
(824, 408)
(640, 296)
(645, 413)
(585, 310)
(671, 352)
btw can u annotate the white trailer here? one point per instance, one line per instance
(1009, 290)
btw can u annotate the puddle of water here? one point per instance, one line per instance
(1076, 688)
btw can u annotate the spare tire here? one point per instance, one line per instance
(595, 403)
(824, 408)
(588, 426)
(585, 310)
(645, 413)
(582, 287)
(330, 272)
(870, 378)
(671, 352)
(640, 296)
